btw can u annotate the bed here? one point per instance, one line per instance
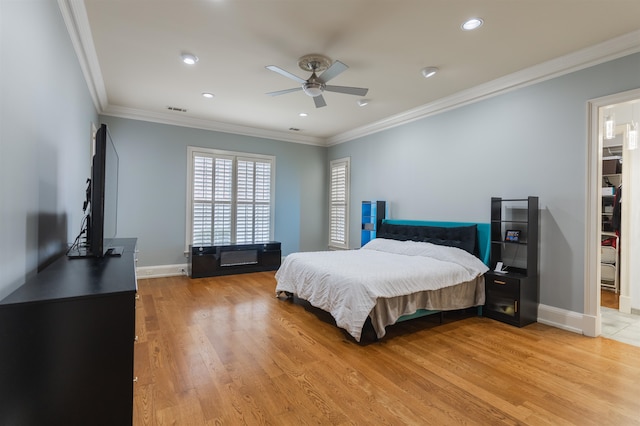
(412, 269)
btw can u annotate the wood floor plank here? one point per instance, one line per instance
(225, 350)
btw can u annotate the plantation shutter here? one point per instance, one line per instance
(231, 199)
(254, 199)
(262, 217)
(223, 199)
(339, 203)
(202, 200)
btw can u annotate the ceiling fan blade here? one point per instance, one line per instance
(285, 73)
(319, 101)
(358, 91)
(282, 92)
(336, 68)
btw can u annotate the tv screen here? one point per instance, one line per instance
(103, 219)
(101, 224)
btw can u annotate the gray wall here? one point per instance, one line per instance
(45, 129)
(152, 186)
(531, 141)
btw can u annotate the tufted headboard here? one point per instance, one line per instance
(472, 237)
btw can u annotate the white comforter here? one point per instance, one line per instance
(348, 283)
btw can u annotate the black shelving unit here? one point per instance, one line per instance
(512, 289)
(373, 212)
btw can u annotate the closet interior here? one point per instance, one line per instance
(611, 214)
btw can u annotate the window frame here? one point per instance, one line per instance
(334, 164)
(235, 156)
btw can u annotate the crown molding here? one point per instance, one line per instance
(603, 52)
(198, 123)
(75, 18)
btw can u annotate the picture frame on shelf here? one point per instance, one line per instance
(512, 235)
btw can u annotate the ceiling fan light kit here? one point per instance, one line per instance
(316, 85)
(313, 89)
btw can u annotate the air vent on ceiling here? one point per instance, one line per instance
(172, 108)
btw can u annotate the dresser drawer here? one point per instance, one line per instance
(502, 295)
(501, 281)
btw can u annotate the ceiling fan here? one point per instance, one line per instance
(315, 85)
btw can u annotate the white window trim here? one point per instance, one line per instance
(191, 151)
(335, 163)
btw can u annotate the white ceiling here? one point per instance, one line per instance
(130, 53)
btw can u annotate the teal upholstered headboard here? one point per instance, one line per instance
(483, 233)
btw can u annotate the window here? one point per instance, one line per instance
(230, 197)
(339, 203)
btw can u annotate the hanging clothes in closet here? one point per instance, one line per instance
(617, 211)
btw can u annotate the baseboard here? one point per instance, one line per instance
(161, 271)
(624, 304)
(567, 320)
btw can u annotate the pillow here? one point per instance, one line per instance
(463, 237)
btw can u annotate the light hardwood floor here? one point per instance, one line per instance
(609, 299)
(225, 351)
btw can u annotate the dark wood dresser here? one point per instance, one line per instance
(66, 343)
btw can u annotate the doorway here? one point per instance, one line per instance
(613, 136)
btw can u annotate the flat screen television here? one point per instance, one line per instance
(102, 198)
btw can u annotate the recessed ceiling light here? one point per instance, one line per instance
(207, 95)
(472, 24)
(429, 72)
(303, 114)
(363, 102)
(189, 59)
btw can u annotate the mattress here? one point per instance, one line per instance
(350, 284)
